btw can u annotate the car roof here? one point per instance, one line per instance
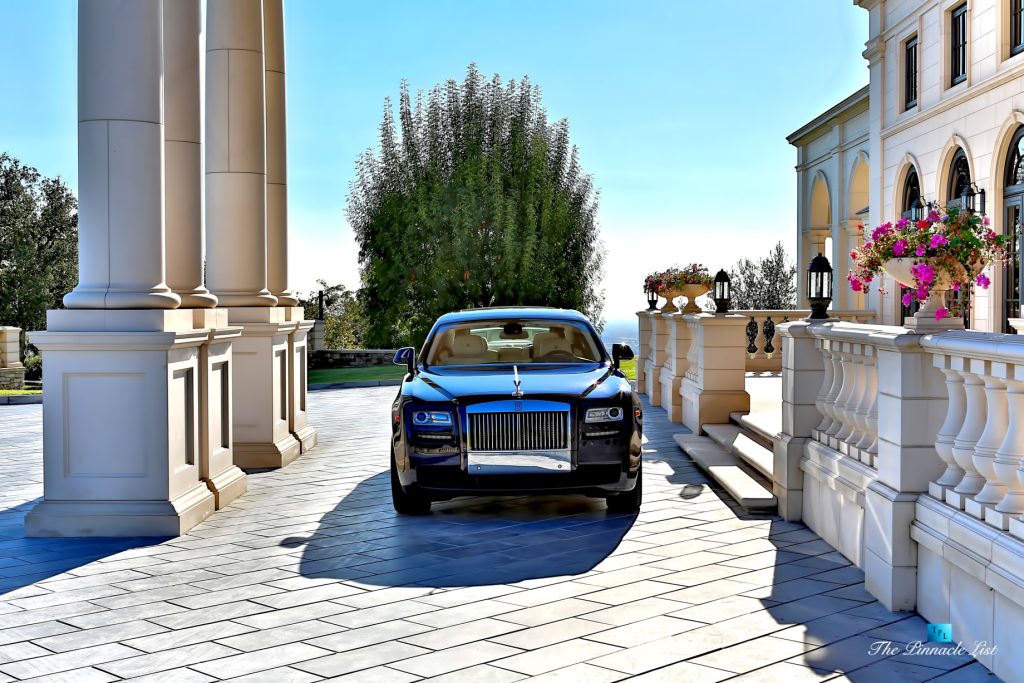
(513, 312)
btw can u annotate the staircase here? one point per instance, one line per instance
(739, 457)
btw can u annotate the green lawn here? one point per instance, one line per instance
(329, 375)
(628, 368)
(20, 392)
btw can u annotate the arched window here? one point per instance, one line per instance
(959, 178)
(1013, 212)
(911, 191)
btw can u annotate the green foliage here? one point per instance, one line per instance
(766, 284)
(474, 200)
(33, 367)
(38, 244)
(343, 316)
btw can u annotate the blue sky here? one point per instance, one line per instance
(680, 108)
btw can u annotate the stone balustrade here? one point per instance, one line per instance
(981, 440)
(764, 344)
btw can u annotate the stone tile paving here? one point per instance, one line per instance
(311, 576)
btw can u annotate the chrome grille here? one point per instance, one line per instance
(523, 431)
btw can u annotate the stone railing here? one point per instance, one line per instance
(12, 372)
(981, 440)
(763, 343)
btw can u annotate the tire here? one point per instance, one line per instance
(629, 501)
(406, 502)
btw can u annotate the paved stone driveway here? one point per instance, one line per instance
(311, 575)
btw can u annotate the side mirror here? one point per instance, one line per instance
(406, 356)
(621, 352)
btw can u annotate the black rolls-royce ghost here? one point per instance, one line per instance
(514, 400)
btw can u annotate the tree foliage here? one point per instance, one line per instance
(473, 199)
(342, 316)
(38, 244)
(766, 284)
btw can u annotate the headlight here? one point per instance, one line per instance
(604, 414)
(437, 418)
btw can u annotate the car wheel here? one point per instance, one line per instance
(629, 501)
(406, 502)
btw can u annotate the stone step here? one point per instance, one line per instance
(727, 470)
(759, 427)
(739, 443)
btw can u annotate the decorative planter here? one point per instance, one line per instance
(670, 294)
(899, 268)
(691, 292)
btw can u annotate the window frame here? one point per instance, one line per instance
(958, 39)
(1016, 22)
(910, 76)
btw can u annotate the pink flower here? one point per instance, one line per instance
(933, 216)
(923, 273)
(902, 223)
(908, 298)
(921, 293)
(956, 286)
(899, 248)
(938, 240)
(941, 313)
(881, 231)
(856, 285)
(985, 220)
(920, 250)
(983, 281)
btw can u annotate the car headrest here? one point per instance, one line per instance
(549, 342)
(468, 345)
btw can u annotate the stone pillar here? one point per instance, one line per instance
(12, 372)
(644, 352)
(652, 366)
(236, 167)
(120, 158)
(277, 154)
(912, 402)
(121, 396)
(317, 336)
(803, 373)
(298, 368)
(677, 346)
(716, 377)
(183, 175)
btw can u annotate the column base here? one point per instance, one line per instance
(307, 437)
(227, 485)
(56, 518)
(252, 456)
(197, 298)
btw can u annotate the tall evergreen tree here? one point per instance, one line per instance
(766, 284)
(473, 199)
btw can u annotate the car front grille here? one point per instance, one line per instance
(519, 431)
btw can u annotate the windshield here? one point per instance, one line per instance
(483, 342)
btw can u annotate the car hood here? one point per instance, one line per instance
(448, 383)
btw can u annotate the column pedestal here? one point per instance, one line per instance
(715, 384)
(298, 347)
(216, 464)
(260, 386)
(121, 422)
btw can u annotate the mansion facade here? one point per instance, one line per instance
(944, 109)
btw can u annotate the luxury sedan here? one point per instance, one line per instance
(504, 401)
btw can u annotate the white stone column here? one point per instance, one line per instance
(236, 165)
(715, 381)
(183, 168)
(120, 157)
(277, 154)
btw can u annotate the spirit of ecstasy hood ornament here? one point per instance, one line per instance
(518, 393)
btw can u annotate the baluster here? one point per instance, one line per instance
(955, 413)
(769, 336)
(967, 438)
(839, 406)
(751, 331)
(835, 353)
(851, 432)
(867, 411)
(820, 401)
(1009, 463)
(989, 442)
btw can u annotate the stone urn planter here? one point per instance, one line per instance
(899, 268)
(670, 294)
(691, 292)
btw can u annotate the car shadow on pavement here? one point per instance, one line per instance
(463, 542)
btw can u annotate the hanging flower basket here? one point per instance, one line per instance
(948, 250)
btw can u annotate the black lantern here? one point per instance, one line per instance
(652, 297)
(917, 210)
(723, 292)
(968, 197)
(819, 287)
